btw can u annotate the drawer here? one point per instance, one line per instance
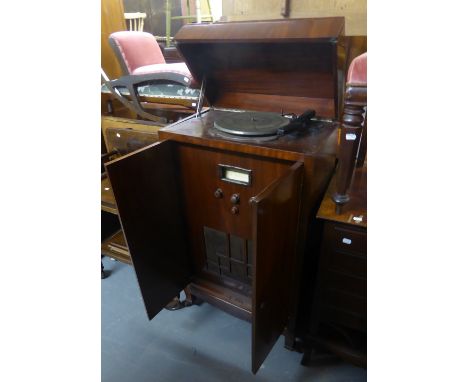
(348, 263)
(345, 302)
(346, 283)
(346, 239)
(350, 320)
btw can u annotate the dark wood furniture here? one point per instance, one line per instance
(238, 245)
(121, 136)
(124, 136)
(353, 137)
(338, 320)
(171, 54)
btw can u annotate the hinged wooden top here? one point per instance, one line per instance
(271, 65)
(325, 28)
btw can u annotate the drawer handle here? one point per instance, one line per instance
(347, 241)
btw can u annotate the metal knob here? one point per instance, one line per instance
(218, 193)
(235, 210)
(235, 199)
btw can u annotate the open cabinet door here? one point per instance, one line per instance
(275, 217)
(148, 201)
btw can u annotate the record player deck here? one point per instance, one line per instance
(244, 125)
(250, 123)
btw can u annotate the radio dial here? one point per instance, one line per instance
(218, 193)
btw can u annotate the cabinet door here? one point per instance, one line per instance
(147, 194)
(275, 217)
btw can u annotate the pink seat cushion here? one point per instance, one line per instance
(178, 67)
(357, 73)
(138, 49)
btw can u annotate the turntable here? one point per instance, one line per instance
(250, 123)
(257, 126)
(223, 202)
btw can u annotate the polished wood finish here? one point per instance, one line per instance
(216, 213)
(109, 225)
(225, 298)
(171, 55)
(110, 122)
(107, 197)
(296, 61)
(116, 247)
(351, 130)
(275, 216)
(292, 147)
(268, 215)
(124, 140)
(339, 300)
(152, 221)
(169, 104)
(241, 248)
(340, 295)
(120, 141)
(355, 211)
(342, 276)
(263, 31)
(362, 150)
(114, 108)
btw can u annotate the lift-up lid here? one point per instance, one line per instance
(267, 65)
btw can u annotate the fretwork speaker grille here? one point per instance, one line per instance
(228, 255)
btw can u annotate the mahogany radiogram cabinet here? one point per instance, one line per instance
(228, 215)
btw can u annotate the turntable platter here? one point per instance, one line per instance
(250, 123)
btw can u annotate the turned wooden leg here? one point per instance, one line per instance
(362, 146)
(350, 136)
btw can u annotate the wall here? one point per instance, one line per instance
(354, 11)
(112, 20)
(155, 22)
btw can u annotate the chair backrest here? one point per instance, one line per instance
(136, 20)
(135, 49)
(357, 73)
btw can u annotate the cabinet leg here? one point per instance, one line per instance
(175, 304)
(188, 297)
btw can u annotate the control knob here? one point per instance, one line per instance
(235, 199)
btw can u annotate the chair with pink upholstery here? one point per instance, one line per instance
(143, 64)
(139, 53)
(353, 137)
